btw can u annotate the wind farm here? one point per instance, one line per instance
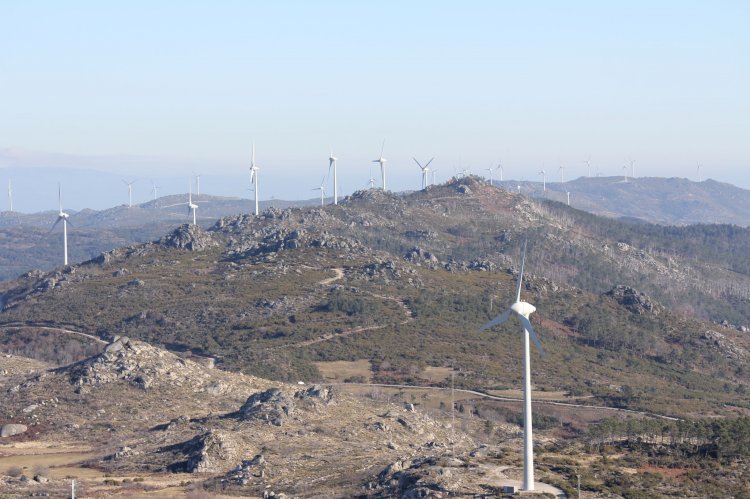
(497, 305)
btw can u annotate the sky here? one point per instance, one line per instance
(163, 88)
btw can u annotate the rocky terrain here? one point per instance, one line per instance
(144, 412)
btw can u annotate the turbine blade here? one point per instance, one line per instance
(417, 162)
(497, 320)
(428, 163)
(520, 277)
(527, 325)
(54, 225)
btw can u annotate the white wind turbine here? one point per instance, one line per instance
(371, 182)
(192, 207)
(254, 180)
(562, 174)
(544, 180)
(425, 169)
(154, 188)
(322, 190)
(632, 168)
(588, 166)
(332, 164)
(500, 167)
(625, 172)
(10, 195)
(130, 191)
(197, 183)
(61, 215)
(698, 167)
(382, 162)
(434, 171)
(522, 310)
(490, 169)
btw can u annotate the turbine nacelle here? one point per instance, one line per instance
(523, 308)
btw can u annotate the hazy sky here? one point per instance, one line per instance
(159, 87)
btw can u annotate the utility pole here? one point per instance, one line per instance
(579, 485)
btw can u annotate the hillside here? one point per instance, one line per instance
(382, 296)
(666, 201)
(401, 281)
(27, 243)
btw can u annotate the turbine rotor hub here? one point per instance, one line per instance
(523, 308)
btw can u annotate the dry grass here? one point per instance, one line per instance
(340, 370)
(436, 374)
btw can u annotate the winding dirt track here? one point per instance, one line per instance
(49, 328)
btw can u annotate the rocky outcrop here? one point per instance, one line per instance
(189, 237)
(210, 452)
(316, 394)
(272, 405)
(634, 301)
(11, 429)
(139, 364)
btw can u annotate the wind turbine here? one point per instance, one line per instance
(699, 166)
(544, 180)
(61, 215)
(424, 169)
(382, 162)
(433, 176)
(372, 179)
(568, 193)
(197, 183)
(625, 172)
(154, 188)
(130, 191)
(192, 207)
(322, 190)
(588, 166)
(562, 174)
(522, 310)
(632, 168)
(332, 164)
(490, 169)
(500, 167)
(10, 195)
(254, 180)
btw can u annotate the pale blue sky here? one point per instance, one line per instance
(147, 87)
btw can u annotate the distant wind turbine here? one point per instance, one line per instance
(322, 190)
(434, 171)
(632, 168)
(625, 172)
(698, 167)
(10, 195)
(130, 191)
(61, 215)
(371, 182)
(425, 169)
(192, 206)
(254, 180)
(154, 188)
(197, 183)
(490, 169)
(568, 193)
(544, 180)
(562, 174)
(588, 166)
(522, 310)
(382, 162)
(500, 167)
(332, 164)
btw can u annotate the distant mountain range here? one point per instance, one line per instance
(666, 201)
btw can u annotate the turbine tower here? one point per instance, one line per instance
(425, 169)
(61, 215)
(154, 188)
(130, 191)
(10, 195)
(500, 167)
(625, 172)
(433, 176)
(490, 169)
(332, 164)
(382, 162)
(192, 207)
(698, 167)
(197, 183)
(544, 180)
(562, 174)
(632, 168)
(254, 180)
(372, 179)
(588, 166)
(522, 310)
(322, 190)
